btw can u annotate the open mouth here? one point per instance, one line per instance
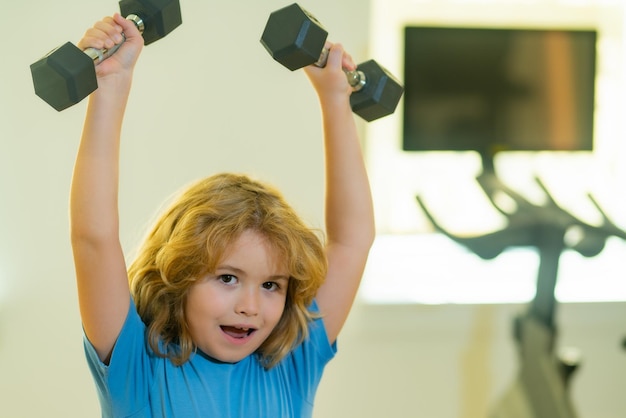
(236, 332)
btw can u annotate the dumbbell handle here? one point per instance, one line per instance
(356, 79)
(99, 55)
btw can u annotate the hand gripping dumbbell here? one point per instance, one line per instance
(295, 38)
(67, 75)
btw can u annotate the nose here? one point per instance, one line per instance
(248, 302)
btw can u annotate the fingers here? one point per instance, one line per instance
(128, 27)
(105, 33)
(109, 32)
(339, 58)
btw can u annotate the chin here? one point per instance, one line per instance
(227, 357)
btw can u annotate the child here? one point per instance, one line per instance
(233, 306)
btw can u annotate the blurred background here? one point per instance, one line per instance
(431, 332)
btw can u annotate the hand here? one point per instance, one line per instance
(331, 81)
(107, 33)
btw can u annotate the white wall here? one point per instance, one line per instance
(208, 98)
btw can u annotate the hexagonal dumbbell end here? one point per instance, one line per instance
(64, 77)
(293, 37)
(159, 16)
(379, 96)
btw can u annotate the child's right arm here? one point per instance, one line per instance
(101, 276)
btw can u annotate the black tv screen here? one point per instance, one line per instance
(498, 89)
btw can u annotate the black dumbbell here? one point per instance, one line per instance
(67, 75)
(295, 38)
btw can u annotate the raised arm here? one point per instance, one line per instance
(101, 276)
(349, 211)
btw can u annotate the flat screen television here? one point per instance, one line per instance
(495, 89)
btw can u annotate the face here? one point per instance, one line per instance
(232, 311)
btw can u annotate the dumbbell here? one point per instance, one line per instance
(67, 75)
(295, 38)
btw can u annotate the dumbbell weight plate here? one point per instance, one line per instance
(64, 77)
(379, 96)
(160, 16)
(294, 37)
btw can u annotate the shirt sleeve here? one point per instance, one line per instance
(309, 359)
(124, 383)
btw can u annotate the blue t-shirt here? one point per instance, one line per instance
(137, 383)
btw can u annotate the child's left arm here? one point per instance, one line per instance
(349, 210)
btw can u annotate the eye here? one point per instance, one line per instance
(272, 286)
(227, 278)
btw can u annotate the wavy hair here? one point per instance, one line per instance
(189, 240)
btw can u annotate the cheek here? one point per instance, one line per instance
(277, 308)
(203, 301)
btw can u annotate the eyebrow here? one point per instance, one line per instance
(238, 271)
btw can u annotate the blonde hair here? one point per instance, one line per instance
(189, 240)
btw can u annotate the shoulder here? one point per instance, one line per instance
(315, 351)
